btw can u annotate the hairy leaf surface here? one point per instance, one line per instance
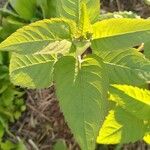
(82, 92)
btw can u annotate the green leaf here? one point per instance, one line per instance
(60, 145)
(81, 87)
(1, 58)
(20, 146)
(32, 71)
(8, 96)
(47, 35)
(132, 99)
(25, 8)
(123, 33)
(8, 145)
(6, 12)
(118, 126)
(127, 67)
(71, 9)
(9, 25)
(48, 8)
(2, 130)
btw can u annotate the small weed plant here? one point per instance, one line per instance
(101, 79)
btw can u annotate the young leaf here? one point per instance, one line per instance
(25, 8)
(32, 71)
(127, 67)
(54, 34)
(115, 34)
(82, 93)
(84, 24)
(71, 9)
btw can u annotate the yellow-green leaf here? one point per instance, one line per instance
(120, 33)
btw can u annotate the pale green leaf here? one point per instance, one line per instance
(25, 8)
(53, 34)
(32, 71)
(120, 33)
(127, 67)
(71, 9)
(81, 89)
(132, 99)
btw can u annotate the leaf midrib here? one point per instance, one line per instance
(31, 65)
(121, 34)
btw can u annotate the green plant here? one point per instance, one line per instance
(11, 104)
(17, 13)
(101, 80)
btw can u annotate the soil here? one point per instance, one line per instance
(43, 123)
